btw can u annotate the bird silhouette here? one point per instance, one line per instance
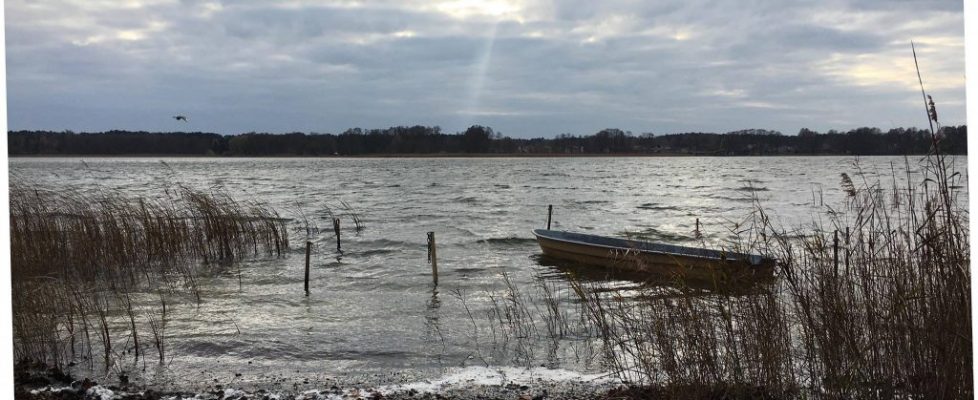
(180, 118)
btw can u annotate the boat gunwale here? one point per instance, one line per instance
(755, 260)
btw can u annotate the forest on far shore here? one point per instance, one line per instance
(479, 139)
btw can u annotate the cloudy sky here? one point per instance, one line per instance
(527, 68)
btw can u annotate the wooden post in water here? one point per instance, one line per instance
(308, 250)
(336, 229)
(835, 252)
(847, 250)
(433, 257)
(550, 213)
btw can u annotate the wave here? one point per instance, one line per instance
(740, 198)
(387, 244)
(512, 240)
(469, 270)
(658, 207)
(373, 252)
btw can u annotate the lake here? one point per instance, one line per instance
(374, 315)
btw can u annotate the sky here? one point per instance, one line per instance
(526, 68)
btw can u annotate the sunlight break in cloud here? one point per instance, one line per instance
(467, 8)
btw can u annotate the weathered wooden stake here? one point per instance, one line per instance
(847, 250)
(697, 225)
(835, 251)
(550, 213)
(308, 249)
(336, 229)
(433, 257)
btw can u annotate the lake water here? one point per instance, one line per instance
(374, 314)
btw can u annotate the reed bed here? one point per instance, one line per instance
(871, 300)
(872, 303)
(81, 260)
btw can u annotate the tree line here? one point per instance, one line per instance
(479, 139)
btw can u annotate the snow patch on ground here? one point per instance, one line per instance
(234, 394)
(100, 392)
(498, 376)
(474, 378)
(50, 389)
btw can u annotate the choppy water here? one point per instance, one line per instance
(373, 309)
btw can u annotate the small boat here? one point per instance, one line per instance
(664, 260)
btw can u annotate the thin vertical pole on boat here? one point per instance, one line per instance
(433, 257)
(308, 251)
(697, 225)
(550, 213)
(835, 252)
(336, 229)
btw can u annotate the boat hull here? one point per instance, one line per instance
(669, 266)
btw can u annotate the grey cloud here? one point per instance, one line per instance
(810, 37)
(573, 67)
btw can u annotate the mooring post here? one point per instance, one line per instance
(308, 250)
(835, 252)
(433, 257)
(847, 250)
(550, 213)
(336, 229)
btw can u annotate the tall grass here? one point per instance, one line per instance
(883, 313)
(894, 312)
(80, 258)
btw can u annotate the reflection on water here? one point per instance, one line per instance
(373, 309)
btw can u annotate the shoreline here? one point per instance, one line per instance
(453, 155)
(42, 382)
(39, 382)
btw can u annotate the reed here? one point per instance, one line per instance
(80, 258)
(897, 316)
(355, 216)
(884, 311)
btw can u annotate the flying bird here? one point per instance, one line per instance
(180, 118)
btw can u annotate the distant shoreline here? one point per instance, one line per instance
(453, 155)
(483, 142)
